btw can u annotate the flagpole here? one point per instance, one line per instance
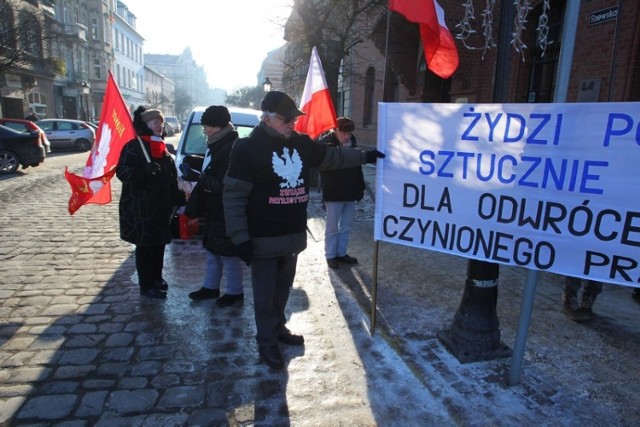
(144, 150)
(376, 243)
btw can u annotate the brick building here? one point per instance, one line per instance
(605, 61)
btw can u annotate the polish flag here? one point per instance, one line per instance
(115, 129)
(316, 101)
(439, 46)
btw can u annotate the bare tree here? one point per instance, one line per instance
(26, 37)
(248, 96)
(333, 26)
(183, 103)
(156, 100)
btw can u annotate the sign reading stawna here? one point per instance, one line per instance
(602, 16)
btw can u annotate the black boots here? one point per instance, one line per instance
(578, 312)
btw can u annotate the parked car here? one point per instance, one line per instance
(19, 149)
(173, 121)
(168, 129)
(27, 126)
(194, 141)
(93, 126)
(67, 133)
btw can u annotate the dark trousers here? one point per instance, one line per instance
(272, 279)
(149, 264)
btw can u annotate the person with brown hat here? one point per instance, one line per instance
(341, 188)
(221, 256)
(149, 196)
(265, 198)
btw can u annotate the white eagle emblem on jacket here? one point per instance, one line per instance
(288, 167)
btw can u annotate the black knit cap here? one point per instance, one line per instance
(279, 102)
(215, 116)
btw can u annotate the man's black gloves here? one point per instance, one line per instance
(152, 168)
(244, 251)
(373, 156)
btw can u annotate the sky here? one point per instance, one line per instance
(229, 38)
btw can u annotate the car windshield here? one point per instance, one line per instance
(16, 126)
(196, 140)
(45, 125)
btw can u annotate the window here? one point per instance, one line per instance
(7, 36)
(94, 28)
(369, 87)
(97, 69)
(29, 34)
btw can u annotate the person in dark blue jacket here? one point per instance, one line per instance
(341, 188)
(221, 134)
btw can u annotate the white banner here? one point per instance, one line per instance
(552, 187)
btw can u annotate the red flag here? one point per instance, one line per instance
(439, 47)
(114, 130)
(316, 101)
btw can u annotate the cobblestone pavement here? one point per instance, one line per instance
(80, 346)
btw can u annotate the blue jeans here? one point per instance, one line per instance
(272, 279)
(338, 227)
(213, 274)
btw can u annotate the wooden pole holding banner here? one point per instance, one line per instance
(374, 289)
(376, 243)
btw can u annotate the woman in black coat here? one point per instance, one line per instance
(149, 196)
(221, 256)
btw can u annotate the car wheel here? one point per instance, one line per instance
(9, 162)
(83, 145)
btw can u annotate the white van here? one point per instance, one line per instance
(194, 141)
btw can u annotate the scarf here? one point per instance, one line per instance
(220, 134)
(158, 147)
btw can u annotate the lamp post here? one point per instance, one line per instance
(266, 84)
(86, 88)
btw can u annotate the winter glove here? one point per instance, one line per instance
(373, 156)
(152, 168)
(244, 251)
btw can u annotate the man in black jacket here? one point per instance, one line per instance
(341, 188)
(265, 198)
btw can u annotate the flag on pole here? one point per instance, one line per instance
(439, 46)
(316, 101)
(114, 130)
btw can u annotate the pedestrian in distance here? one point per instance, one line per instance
(583, 310)
(265, 200)
(207, 201)
(341, 188)
(149, 197)
(33, 116)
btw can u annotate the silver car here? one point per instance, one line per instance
(173, 121)
(66, 133)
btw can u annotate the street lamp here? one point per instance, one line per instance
(266, 84)
(86, 88)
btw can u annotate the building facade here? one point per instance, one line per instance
(128, 68)
(190, 79)
(605, 60)
(159, 92)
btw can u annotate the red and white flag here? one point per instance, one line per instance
(439, 46)
(316, 101)
(115, 129)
